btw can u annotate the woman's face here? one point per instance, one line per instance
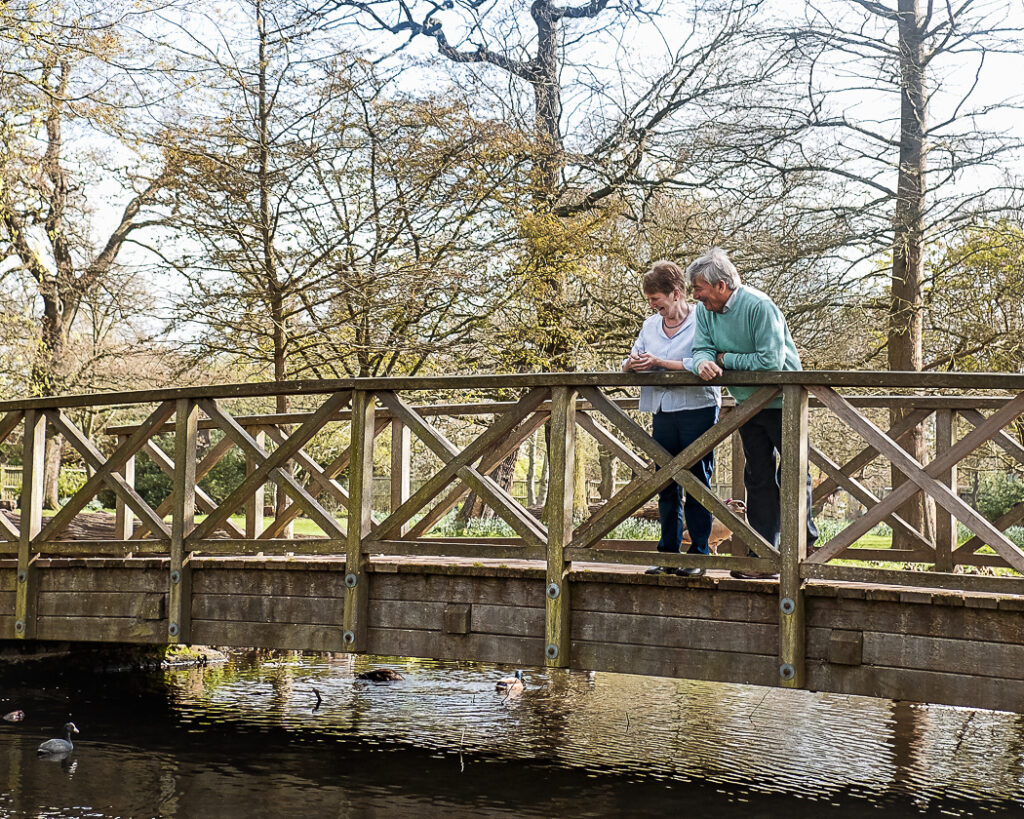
(664, 303)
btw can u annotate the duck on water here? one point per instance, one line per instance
(59, 747)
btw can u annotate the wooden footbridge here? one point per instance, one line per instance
(946, 626)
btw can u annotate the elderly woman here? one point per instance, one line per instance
(681, 414)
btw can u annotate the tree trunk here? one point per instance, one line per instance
(905, 341)
(607, 486)
(531, 468)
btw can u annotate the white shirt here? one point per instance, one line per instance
(653, 340)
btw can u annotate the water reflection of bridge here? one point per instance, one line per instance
(944, 625)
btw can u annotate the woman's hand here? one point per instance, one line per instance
(643, 362)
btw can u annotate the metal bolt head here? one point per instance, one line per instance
(172, 629)
(787, 605)
(351, 580)
(553, 591)
(175, 576)
(19, 626)
(786, 671)
(348, 637)
(22, 575)
(551, 652)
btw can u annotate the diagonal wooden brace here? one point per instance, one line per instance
(106, 471)
(920, 479)
(269, 466)
(501, 427)
(525, 525)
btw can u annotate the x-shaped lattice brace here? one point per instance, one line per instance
(8, 424)
(920, 478)
(106, 472)
(841, 477)
(203, 501)
(320, 478)
(460, 465)
(672, 468)
(269, 466)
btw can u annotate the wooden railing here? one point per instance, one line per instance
(306, 454)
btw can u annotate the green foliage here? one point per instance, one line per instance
(154, 485)
(70, 481)
(998, 493)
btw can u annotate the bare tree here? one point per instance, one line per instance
(613, 138)
(59, 74)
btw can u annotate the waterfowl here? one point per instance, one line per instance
(14, 716)
(380, 675)
(511, 684)
(54, 747)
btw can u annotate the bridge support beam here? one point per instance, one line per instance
(793, 537)
(360, 521)
(183, 520)
(33, 464)
(945, 523)
(562, 461)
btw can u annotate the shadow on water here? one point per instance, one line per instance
(228, 740)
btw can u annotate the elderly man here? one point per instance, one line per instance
(740, 328)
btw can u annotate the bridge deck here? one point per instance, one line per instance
(934, 645)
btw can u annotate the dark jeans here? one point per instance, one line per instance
(675, 431)
(762, 441)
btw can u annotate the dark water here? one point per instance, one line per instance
(243, 740)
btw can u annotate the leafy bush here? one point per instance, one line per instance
(154, 485)
(998, 493)
(70, 481)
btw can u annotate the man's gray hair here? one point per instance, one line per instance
(714, 267)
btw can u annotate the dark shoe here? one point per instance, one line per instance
(691, 571)
(660, 570)
(753, 575)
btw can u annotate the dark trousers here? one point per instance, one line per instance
(762, 442)
(675, 431)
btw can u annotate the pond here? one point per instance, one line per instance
(247, 737)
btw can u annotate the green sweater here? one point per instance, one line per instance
(752, 334)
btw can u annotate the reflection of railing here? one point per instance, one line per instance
(349, 416)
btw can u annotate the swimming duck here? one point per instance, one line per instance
(380, 675)
(511, 684)
(54, 747)
(14, 716)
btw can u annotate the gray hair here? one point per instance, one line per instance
(714, 267)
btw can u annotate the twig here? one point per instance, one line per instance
(751, 715)
(627, 722)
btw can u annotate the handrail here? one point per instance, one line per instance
(958, 382)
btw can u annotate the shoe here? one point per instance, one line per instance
(660, 570)
(753, 575)
(691, 571)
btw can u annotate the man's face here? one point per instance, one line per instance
(712, 296)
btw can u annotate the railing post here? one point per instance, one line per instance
(793, 536)
(738, 488)
(561, 458)
(400, 467)
(183, 518)
(123, 518)
(255, 503)
(360, 518)
(33, 464)
(945, 523)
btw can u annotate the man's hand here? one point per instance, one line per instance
(708, 370)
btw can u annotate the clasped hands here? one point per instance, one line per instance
(643, 363)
